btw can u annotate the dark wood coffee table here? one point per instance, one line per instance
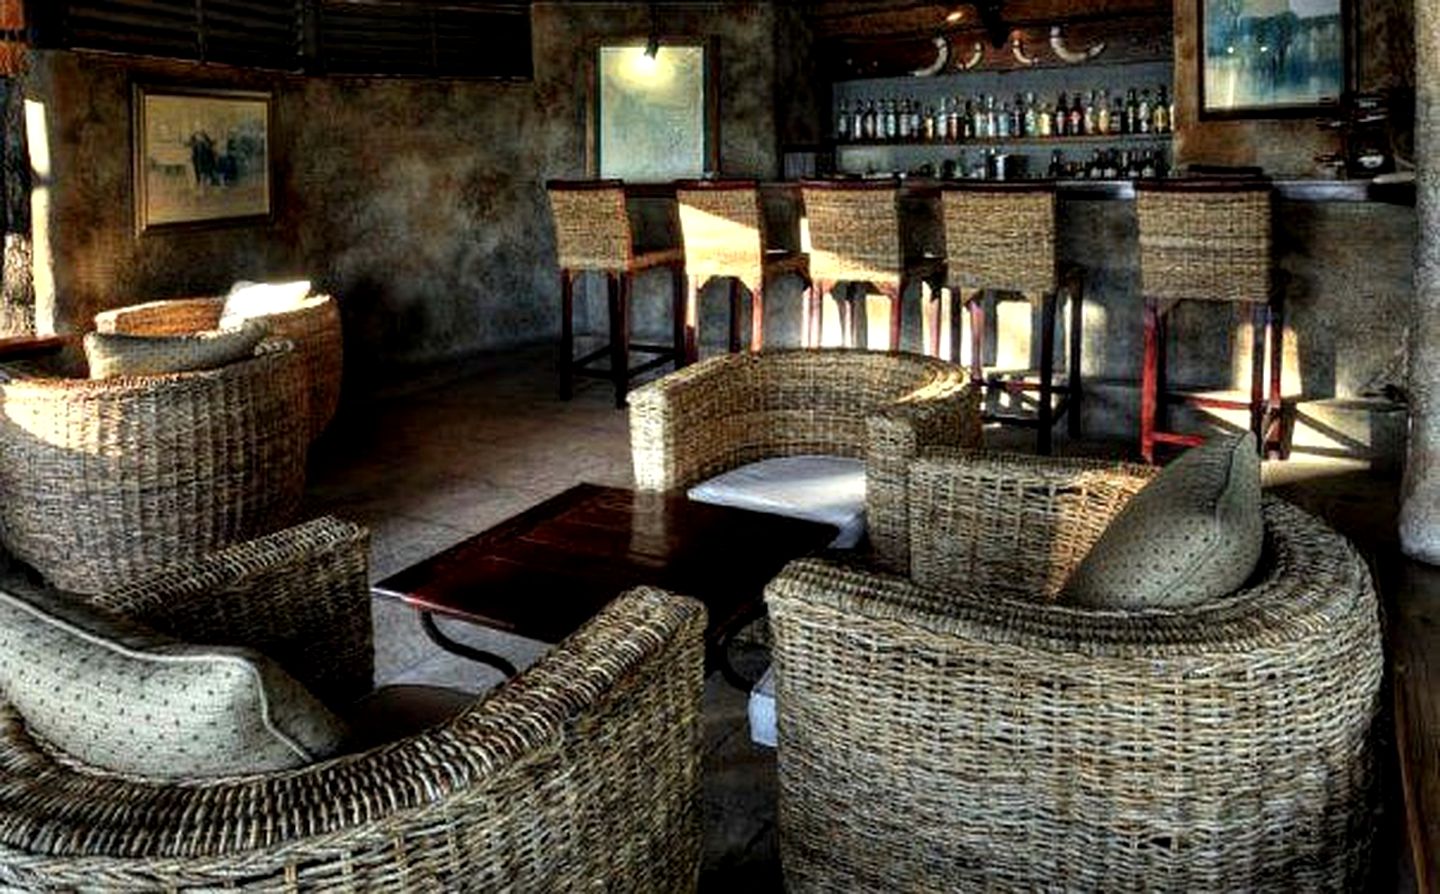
(545, 572)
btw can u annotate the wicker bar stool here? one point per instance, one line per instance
(999, 240)
(854, 238)
(723, 227)
(592, 232)
(1208, 240)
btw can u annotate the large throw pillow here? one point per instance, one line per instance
(1194, 533)
(247, 300)
(826, 489)
(112, 354)
(121, 697)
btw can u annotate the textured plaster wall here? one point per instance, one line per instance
(419, 203)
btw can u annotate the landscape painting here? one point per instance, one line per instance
(201, 156)
(1270, 57)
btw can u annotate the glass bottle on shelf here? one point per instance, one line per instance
(842, 122)
(902, 119)
(1057, 165)
(1088, 116)
(1102, 113)
(1030, 126)
(1132, 112)
(1161, 112)
(891, 118)
(1045, 121)
(1076, 126)
(857, 122)
(917, 119)
(1002, 121)
(1062, 116)
(1144, 112)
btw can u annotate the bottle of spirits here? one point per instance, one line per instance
(902, 120)
(1045, 121)
(1102, 113)
(1057, 165)
(1161, 112)
(1076, 126)
(1031, 125)
(1145, 111)
(842, 122)
(1088, 117)
(1062, 116)
(857, 123)
(1132, 112)
(892, 120)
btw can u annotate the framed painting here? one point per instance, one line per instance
(1271, 58)
(201, 157)
(653, 111)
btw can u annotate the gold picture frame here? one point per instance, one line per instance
(201, 157)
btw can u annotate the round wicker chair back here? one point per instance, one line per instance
(108, 480)
(592, 226)
(1000, 238)
(1205, 240)
(723, 230)
(852, 231)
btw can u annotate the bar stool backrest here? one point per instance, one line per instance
(723, 228)
(592, 226)
(1205, 240)
(1000, 236)
(854, 230)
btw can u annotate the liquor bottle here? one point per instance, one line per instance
(1147, 165)
(857, 122)
(1102, 113)
(842, 122)
(1161, 112)
(1057, 165)
(1002, 121)
(917, 120)
(1076, 126)
(1045, 121)
(967, 121)
(951, 105)
(902, 120)
(1017, 117)
(992, 122)
(1088, 116)
(1111, 165)
(1062, 116)
(1132, 112)
(1145, 111)
(977, 124)
(891, 118)
(1117, 116)
(1031, 125)
(932, 127)
(872, 121)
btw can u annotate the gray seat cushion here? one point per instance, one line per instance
(1193, 534)
(828, 489)
(112, 354)
(118, 696)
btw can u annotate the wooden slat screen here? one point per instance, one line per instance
(435, 38)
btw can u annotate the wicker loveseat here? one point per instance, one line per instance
(959, 731)
(314, 327)
(581, 772)
(734, 409)
(106, 480)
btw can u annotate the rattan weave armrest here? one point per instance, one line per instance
(173, 316)
(1007, 523)
(300, 596)
(681, 425)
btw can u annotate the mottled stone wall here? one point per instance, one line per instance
(1420, 513)
(419, 203)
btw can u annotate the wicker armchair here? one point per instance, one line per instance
(956, 732)
(107, 480)
(731, 410)
(584, 770)
(314, 327)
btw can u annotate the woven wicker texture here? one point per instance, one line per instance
(582, 772)
(112, 354)
(731, 410)
(1000, 240)
(854, 234)
(723, 233)
(592, 227)
(111, 479)
(969, 739)
(314, 327)
(1205, 245)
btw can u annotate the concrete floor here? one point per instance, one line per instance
(446, 455)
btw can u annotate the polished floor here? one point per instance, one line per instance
(448, 454)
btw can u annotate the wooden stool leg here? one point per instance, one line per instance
(680, 316)
(814, 310)
(620, 334)
(757, 315)
(1148, 381)
(1276, 408)
(1258, 326)
(1048, 306)
(977, 337)
(734, 315)
(896, 294)
(845, 306)
(692, 318)
(1162, 368)
(567, 334)
(1072, 355)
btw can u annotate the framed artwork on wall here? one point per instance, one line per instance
(201, 157)
(653, 111)
(1270, 58)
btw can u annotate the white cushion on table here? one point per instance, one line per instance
(828, 489)
(762, 710)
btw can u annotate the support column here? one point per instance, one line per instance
(1420, 512)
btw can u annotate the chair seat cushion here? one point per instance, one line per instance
(246, 300)
(828, 489)
(1193, 534)
(119, 696)
(112, 354)
(764, 729)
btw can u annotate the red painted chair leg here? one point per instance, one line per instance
(757, 316)
(1148, 382)
(567, 334)
(734, 315)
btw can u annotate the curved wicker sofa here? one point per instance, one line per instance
(962, 734)
(314, 327)
(102, 481)
(582, 771)
(734, 409)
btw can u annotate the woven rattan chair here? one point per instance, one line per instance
(731, 410)
(956, 730)
(592, 232)
(107, 480)
(723, 226)
(583, 771)
(1208, 240)
(1000, 239)
(854, 238)
(314, 327)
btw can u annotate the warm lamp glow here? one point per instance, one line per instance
(954, 15)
